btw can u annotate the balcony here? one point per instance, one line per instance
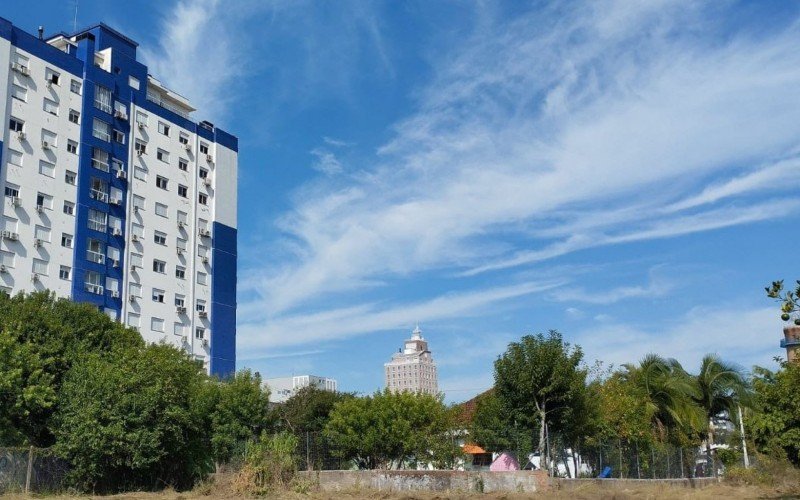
(95, 257)
(156, 98)
(790, 343)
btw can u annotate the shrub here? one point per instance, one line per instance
(270, 464)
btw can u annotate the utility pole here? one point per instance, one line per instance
(744, 441)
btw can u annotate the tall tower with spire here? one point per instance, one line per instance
(412, 368)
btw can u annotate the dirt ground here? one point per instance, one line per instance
(589, 491)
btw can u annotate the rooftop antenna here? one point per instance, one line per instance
(75, 18)
(41, 32)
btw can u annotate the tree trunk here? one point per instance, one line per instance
(709, 454)
(542, 448)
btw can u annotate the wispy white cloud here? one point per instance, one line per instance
(567, 128)
(658, 286)
(326, 162)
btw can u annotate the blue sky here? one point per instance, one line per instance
(624, 172)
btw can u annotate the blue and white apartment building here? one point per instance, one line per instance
(114, 195)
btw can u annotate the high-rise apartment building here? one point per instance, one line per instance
(412, 368)
(114, 195)
(283, 388)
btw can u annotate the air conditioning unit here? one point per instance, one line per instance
(19, 68)
(49, 84)
(180, 310)
(3, 268)
(181, 224)
(115, 294)
(180, 251)
(141, 125)
(121, 115)
(45, 145)
(205, 342)
(209, 159)
(21, 135)
(10, 235)
(131, 299)
(115, 262)
(117, 231)
(115, 201)
(207, 181)
(39, 208)
(205, 260)
(37, 243)
(202, 314)
(184, 339)
(121, 174)
(205, 233)
(16, 201)
(187, 146)
(139, 152)
(135, 238)
(136, 209)
(35, 277)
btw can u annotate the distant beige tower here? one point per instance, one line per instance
(791, 342)
(412, 369)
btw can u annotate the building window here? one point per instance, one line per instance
(98, 220)
(15, 157)
(180, 301)
(199, 333)
(75, 87)
(47, 169)
(180, 272)
(160, 238)
(15, 124)
(141, 119)
(183, 138)
(99, 190)
(183, 191)
(162, 155)
(44, 201)
(12, 191)
(101, 130)
(117, 165)
(203, 148)
(133, 82)
(72, 147)
(74, 116)
(201, 278)
(138, 202)
(42, 233)
(64, 272)
(70, 177)
(161, 182)
(120, 110)
(139, 172)
(92, 282)
(161, 209)
(102, 98)
(100, 159)
(202, 198)
(50, 106)
(203, 173)
(159, 266)
(66, 240)
(52, 77)
(69, 208)
(163, 128)
(137, 230)
(157, 324)
(183, 164)
(158, 295)
(136, 260)
(119, 137)
(49, 139)
(134, 290)
(141, 147)
(133, 320)
(200, 306)
(19, 92)
(95, 252)
(40, 267)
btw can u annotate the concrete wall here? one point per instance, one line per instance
(405, 480)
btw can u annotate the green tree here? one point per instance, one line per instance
(790, 300)
(240, 414)
(536, 379)
(491, 427)
(135, 420)
(392, 430)
(774, 423)
(307, 410)
(41, 337)
(721, 388)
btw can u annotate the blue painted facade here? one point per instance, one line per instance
(79, 61)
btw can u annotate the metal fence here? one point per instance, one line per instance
(31, 470)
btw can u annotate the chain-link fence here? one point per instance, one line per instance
(31, 470)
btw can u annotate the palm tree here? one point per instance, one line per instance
(668, 392)
(721, 388)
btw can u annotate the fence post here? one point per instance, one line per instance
(29, 471)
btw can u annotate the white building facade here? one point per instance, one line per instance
(412, 368)
(282, 388)
(113, 194)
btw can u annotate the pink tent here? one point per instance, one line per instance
(504, 462)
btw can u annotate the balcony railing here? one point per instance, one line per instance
(790, 342)
(98, 195)
(95, 257)
(156, 98)
(93, 288)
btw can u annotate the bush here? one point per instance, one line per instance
(269, 465)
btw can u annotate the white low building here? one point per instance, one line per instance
(282, 388)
